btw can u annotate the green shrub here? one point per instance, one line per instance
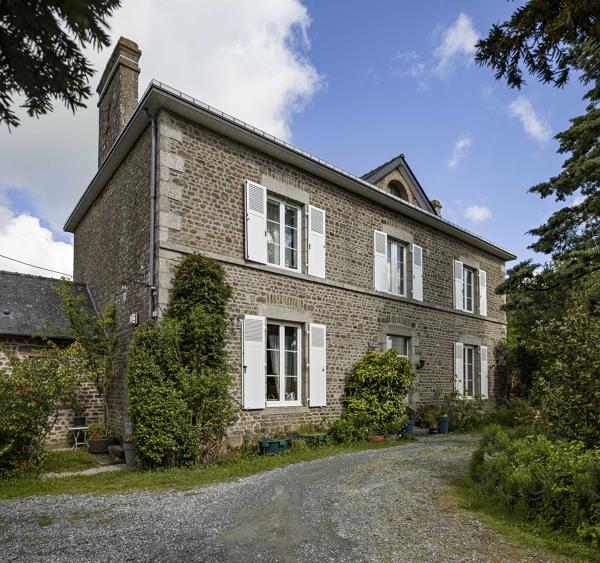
(177, 378)
(375, 396)
(32, 391)
(555, 485)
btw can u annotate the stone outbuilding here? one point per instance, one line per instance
(30, 316)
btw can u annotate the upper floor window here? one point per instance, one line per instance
(396, 261)
(283, 234)
(469, 289)
(397, 189)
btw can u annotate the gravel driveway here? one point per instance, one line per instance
(378, 505)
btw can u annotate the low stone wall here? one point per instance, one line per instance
(89, 396)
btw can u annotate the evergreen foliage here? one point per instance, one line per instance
(177, 375)
(41, 57)
(376, 391)
(552, 39)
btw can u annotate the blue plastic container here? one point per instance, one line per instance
(442, 424)
(410, 426)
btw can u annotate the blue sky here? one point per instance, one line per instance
(354, 83)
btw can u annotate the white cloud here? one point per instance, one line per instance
(461, 145)
(246, 58)
(535, 127)
(458, 43)
(477, 213)
(22, 237)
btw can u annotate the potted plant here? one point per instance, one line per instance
(98, 438)
(430, 418)
(442, 423)
(409, 427)
(270, 444)
(391, 430)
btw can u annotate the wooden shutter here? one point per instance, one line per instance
(417, 272)
(253, 362)
(459, 286)
(482, 293)
(317, 358)
(256, 222)
(483, 355)
(316, 242)
(459, 369)
(380, 267)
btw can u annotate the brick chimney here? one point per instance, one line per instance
(437, 206)
(118, 94)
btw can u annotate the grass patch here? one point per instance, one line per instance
(467, 495)
(67, 460)
(178, 478)
(44, 520)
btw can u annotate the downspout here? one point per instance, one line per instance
(151, 268)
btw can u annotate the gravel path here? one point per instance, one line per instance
(378, 505)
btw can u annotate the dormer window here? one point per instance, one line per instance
(398, 190)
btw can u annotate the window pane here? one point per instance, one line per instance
(291, 216)
(291, 237)
(389, 267)
(273, 252)
(272, 388)
(291, 388)
(272, 337)
(399, 269)
(272, 211)
(291, 363)
(398, 343)
(291, 336)
(291, 258)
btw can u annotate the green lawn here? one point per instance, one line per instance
(178, 478)
(467, 495)
(67, 460)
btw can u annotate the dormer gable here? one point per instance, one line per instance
(396, 177)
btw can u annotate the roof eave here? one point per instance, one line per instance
(158, 96)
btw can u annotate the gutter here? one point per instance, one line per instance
(152, 242)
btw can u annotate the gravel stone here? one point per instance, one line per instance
(377, 505)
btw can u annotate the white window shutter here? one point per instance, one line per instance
(459, 286)
(316, 242)
(253, 362)
(483, 354)
(380, 274)
(256, 222)
(317, 372)
(482, 293)
(459, 369)
(417, 272)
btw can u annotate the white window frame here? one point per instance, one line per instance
(467, 271)
(388, 343)
(282, 375)
(392, 262)
(282, 205)
(473, 351)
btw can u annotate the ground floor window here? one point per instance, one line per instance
(469, 370)
(398, 343)
(283, 363)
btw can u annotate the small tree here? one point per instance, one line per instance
(32, 391)
(376, 391)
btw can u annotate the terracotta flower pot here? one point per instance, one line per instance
(377, 438)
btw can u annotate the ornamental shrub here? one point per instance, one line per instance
(177, 376)
(32, 391)
(376, 391)
(555, 485)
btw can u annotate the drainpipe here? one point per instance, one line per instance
(151, 269)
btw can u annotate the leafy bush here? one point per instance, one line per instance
(32, 391)
(177, 378)
(375, 396)
(555, 485)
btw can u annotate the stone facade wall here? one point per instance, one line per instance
(89, 397)
(111, 257)
(201, 202)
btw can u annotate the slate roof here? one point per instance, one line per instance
(30, 307)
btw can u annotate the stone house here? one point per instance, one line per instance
(30, 316)
(323, 264)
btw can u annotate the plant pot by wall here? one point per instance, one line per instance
(443, 424)
(410, 426)
(130, 455)
(99, 446)
(377, 438)
(271, 447)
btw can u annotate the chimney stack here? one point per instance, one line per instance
(118, 94)
(437, 206)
